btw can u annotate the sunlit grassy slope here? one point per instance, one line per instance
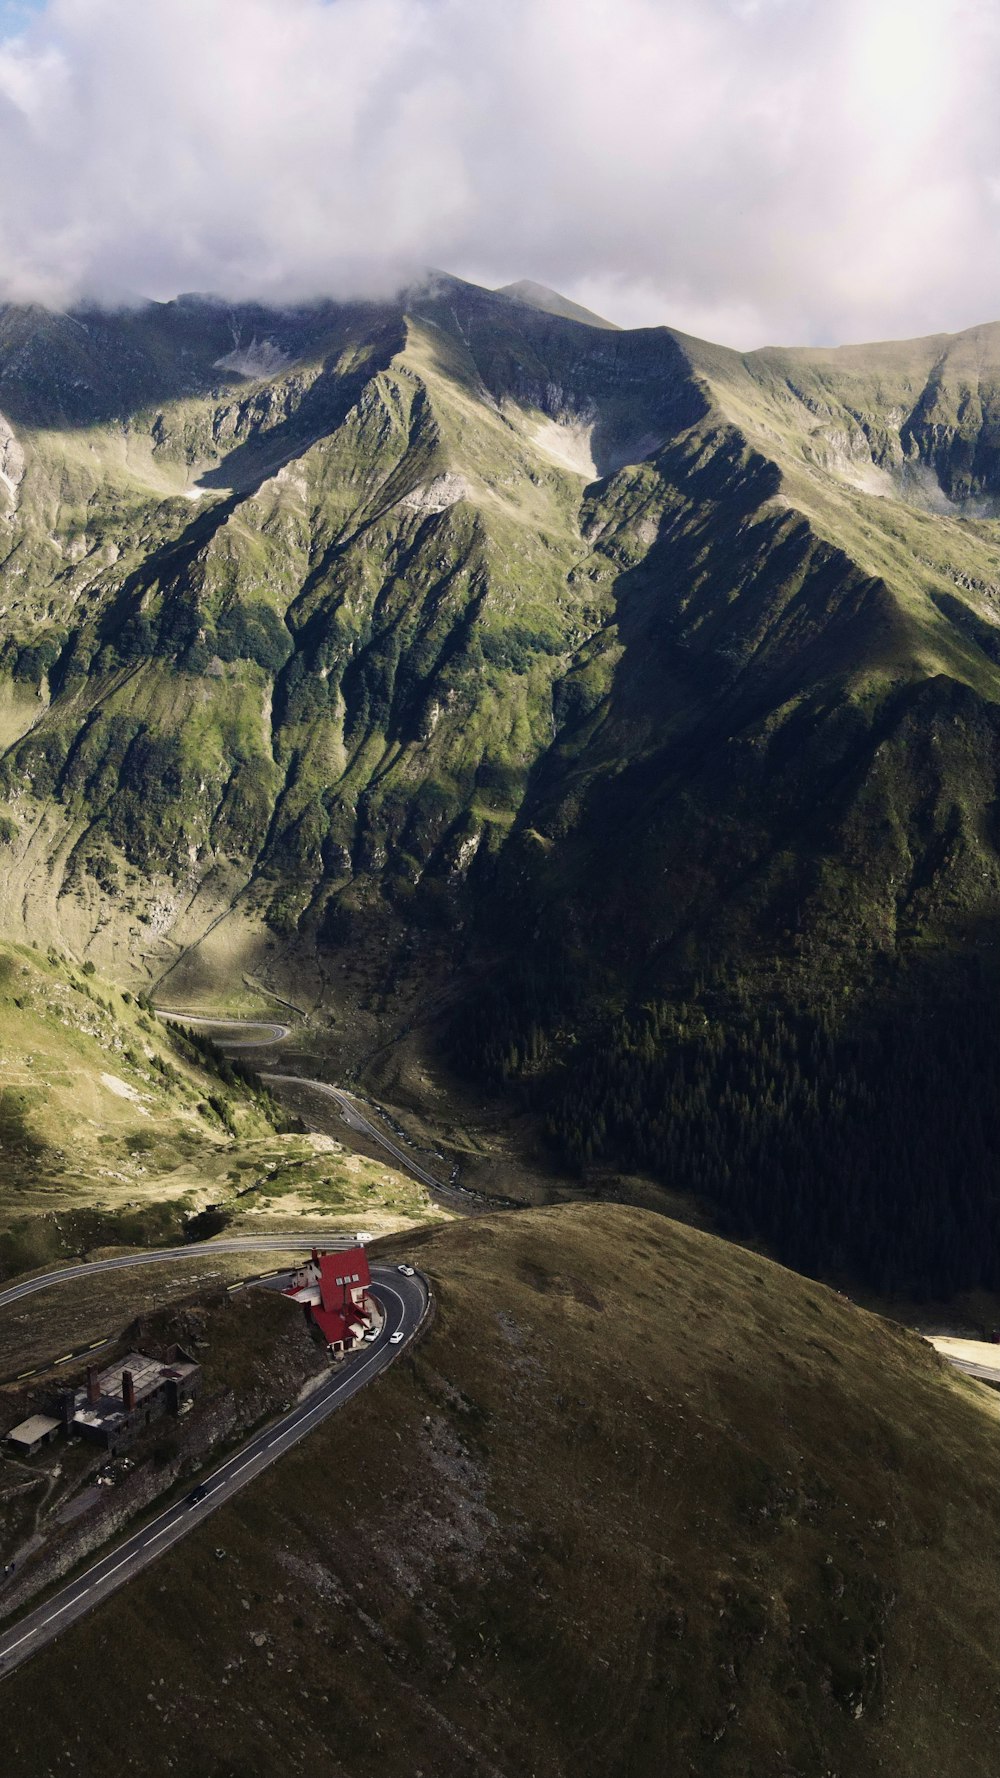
(112, 1132)
(640, 1503)
(888, 449)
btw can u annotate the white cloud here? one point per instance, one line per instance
(749, 169)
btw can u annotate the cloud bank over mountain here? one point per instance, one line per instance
(748, 169)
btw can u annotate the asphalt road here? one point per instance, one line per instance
(404, 1301)
(456, 1196)
(270, 1033)
(977, 1358)
(356, 1120)
(987, 1373)
(156, 1255)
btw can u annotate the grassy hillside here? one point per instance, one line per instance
(96, 1094)
(113, 1130)
(640, 1502)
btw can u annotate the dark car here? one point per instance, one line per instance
(197, 1494)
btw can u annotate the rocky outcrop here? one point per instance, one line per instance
(12, 465)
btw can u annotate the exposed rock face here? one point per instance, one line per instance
(923, 414)
(11, 464)
(437, 496)
(261, 358)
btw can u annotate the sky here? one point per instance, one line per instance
(753, 171)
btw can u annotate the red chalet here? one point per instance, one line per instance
(333, 1289)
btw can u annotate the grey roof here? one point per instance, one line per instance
(148, 1375)
(35, 1427)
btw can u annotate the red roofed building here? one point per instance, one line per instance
(333, 1289)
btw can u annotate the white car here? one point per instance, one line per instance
(407, 1271)
(395, 1338)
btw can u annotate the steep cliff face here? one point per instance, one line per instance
(915, 419)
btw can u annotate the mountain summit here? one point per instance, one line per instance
(539, 296)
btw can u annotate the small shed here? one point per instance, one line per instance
(32, 1434)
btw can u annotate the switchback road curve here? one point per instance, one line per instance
(267, 1034)
(265, 1031)
(404, 1303)
(355, 1119)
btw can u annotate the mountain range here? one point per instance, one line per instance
(466, 648)
(585, 741)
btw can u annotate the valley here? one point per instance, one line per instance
(163, 1132)
(499, 889)
(524, 790)
(469, 675)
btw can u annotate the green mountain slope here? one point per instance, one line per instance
(465, 568)
(640, 1502)
(117, 1131)
(366, 646)
(304, 635)
(808, 678)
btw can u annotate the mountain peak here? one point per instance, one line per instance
(539, 296)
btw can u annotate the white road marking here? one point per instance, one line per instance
(139, 1548)
(158, 1534)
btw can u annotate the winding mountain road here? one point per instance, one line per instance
(404, 1303)
(154, 1256)
(355, 1119)
(269, 1034)
(272, 1033)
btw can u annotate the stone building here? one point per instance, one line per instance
(117, 1404)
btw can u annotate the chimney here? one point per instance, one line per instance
(93, 1386)
(128, 1391)
(67, 1404)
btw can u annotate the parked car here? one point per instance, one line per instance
(394, 1338)
(407, 1271)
